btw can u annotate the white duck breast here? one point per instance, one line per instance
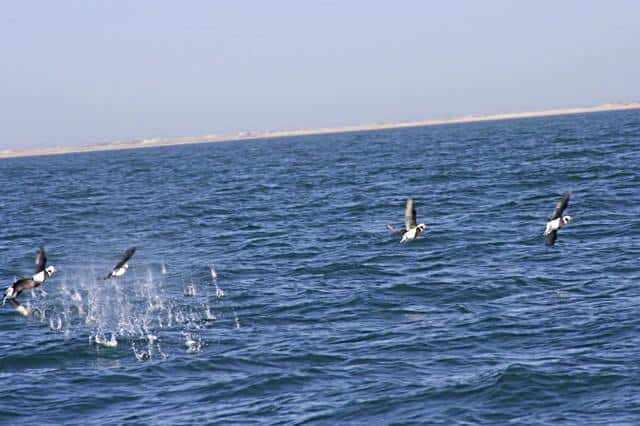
(411, 234)
(120, 271)
(552, 225)
(39, 277)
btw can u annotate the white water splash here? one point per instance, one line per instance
(55, 325)
(193, 344)
(153, 346)
(190, 289)
(208, 313)
(214, 274)
(140, 355)
(135, 309)
(214, 277)
(219, 292)
(236, 318)
(102, 341)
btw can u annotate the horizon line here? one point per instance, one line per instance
(270, 134)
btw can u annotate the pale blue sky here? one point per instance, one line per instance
(79, 72)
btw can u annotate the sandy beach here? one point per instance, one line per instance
(157, 142)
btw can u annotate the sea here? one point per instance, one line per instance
(266, 288)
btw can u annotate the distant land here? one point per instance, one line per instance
(156, 142)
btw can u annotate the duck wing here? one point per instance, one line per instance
(562, 204)
(41, 260)
(409, 215)
(125, 257)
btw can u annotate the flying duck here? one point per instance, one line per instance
(412, 229)
(122, 266)
(557, 221)
(42, 273)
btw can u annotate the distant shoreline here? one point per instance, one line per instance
(158, 142)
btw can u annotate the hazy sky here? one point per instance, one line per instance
(78, 72)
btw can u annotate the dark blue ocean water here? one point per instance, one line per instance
(317, 314)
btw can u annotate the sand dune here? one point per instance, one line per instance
(155, 142)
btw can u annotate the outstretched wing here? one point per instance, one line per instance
(125, 257)
(562, 204)
(551, 238)
(409, 215)
(41, 260)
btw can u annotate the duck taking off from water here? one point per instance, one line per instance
(122, 266)
(42, 273)
(557, 221)
(412, 229)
